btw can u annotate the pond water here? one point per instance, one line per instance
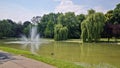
(89, 55)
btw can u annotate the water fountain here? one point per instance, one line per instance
(33, 41)
(34, 36)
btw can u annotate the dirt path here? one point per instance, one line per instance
(21, 62)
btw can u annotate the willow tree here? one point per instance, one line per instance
(60, 32)
(92, 27)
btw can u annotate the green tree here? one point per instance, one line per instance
(16, 29)
(49, 31)
(26, 27)
(80, 19)
(109, 17)
(26, 30)
(116, 14)
(26, 24)
(44, 22)
(91, 11)
(92, 27)
(60, 32)
(84, 30)
(70, 21)
(5, 29)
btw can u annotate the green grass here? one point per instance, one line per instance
(111, 40)
(55, 62)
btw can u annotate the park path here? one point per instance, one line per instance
(23, 62)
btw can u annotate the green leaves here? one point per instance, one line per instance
(116, 14)
(5, 29)
(60, 32)
(49, 31)
(92, 27)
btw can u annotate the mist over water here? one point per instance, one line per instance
(33, 41)
(34, 36)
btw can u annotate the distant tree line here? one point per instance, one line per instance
(89, 27)
(68, 20)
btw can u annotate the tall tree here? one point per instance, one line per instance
(26, 30)
(92, 27)
(5, 28)
(109, 17)
(116, 14)
(80, 19)
(26, 23)
(45, 20)
(70, 21)
(91, 11)
(26, 27)
(36, 19)
(49, 31)
(60, 32)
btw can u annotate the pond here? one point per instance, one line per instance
(89, 55)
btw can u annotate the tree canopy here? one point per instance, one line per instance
(61, 26)
(92, 26)
(60, 32)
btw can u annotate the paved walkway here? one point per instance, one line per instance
(22, 62)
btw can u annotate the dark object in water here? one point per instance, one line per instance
(52, 53)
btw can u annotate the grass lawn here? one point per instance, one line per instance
(51, 61)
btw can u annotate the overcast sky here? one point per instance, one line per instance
(23, 10)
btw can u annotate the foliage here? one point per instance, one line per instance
(26, 23)
(5, 28)
(70, 21)
(36, 19)
(60, 32)
(109, 17)
(116, 14)
(92, 27)
(80, 19)
(49, 31)
(47, 22)
(111, 28)
(42, 25)
(91, 11)
(84, 31)
(26, 30)
(8, 28)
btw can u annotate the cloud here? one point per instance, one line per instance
(69, 6)
(100, 9)
(18, 13)
(56, 0)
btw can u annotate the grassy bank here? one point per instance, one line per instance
(51, 61)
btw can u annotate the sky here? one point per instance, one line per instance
(24, 10)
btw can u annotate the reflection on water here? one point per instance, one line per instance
(34, 47)
(89, 55)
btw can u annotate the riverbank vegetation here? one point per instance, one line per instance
(61, 26)
(51, 61)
